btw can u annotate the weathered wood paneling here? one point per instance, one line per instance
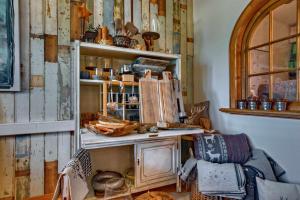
(162, 24)
(64, 81)
(190, 52)
(22, 143)
(37, 95)
(108, 15)
(127, 11)
(51, 95)
(98, 12)
(183, 48)
(145, 16)
(29, 163)
(137, 14)
(169, 26)
(7, 169)
(176, 26)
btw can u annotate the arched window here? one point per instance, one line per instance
(265, 54)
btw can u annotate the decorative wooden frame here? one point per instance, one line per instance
(250, 17)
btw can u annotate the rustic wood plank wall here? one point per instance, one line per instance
(29, 164)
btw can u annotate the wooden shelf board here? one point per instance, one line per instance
(90, 140)
(271, 113)
(99, 82)
(93, 49)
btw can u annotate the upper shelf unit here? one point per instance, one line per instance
(92, 49)
(99, 82)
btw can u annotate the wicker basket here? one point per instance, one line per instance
(196, 195)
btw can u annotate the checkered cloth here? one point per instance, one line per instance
(85, 160)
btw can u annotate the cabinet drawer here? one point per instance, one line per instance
(156, 162)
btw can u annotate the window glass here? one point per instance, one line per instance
(6, 44)
(259, 86)
(284, 55)
(261, 33)
(259, 60)
(285, 86)
(284, 20)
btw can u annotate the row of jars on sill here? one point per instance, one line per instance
(253, 104)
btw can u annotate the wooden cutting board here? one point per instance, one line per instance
(149, 101)
(168, 101)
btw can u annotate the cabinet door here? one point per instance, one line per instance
(156, 162)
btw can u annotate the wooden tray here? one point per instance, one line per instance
(116, 132)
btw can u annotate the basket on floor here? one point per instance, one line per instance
(196, 195)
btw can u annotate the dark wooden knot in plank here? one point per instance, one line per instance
(37, 36)
(51, 48)
(176, 21)
(191, 40)
(21, 173)
(37, 81)
(183, 6)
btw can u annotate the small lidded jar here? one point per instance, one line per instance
(241, 104)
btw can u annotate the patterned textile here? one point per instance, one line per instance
(85, 160)
(225, 180)
(251, 187)
(277, 169)
(260, 162)
(222, 148)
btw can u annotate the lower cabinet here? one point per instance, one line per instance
(156, 162)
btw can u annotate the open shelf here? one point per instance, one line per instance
(99, 82)
(92, 49)
(263, 113)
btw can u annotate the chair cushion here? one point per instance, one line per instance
(277, 191)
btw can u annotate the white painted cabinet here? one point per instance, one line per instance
(156, 162)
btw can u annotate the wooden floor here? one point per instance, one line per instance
(184, 195)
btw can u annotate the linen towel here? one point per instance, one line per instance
(72, 183)
(225, 180)
(222, 148)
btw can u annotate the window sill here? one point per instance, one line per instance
(271, 113)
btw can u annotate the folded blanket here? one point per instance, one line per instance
(225, 180)
(260, 162)
(263, 166)
(222, 148)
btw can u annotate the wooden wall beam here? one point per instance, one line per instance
(137, 14)
(145, 16)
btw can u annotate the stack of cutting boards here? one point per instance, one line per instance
(160, 100)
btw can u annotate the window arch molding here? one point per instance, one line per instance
(255, 11)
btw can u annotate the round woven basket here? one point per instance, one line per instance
(155, 196)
